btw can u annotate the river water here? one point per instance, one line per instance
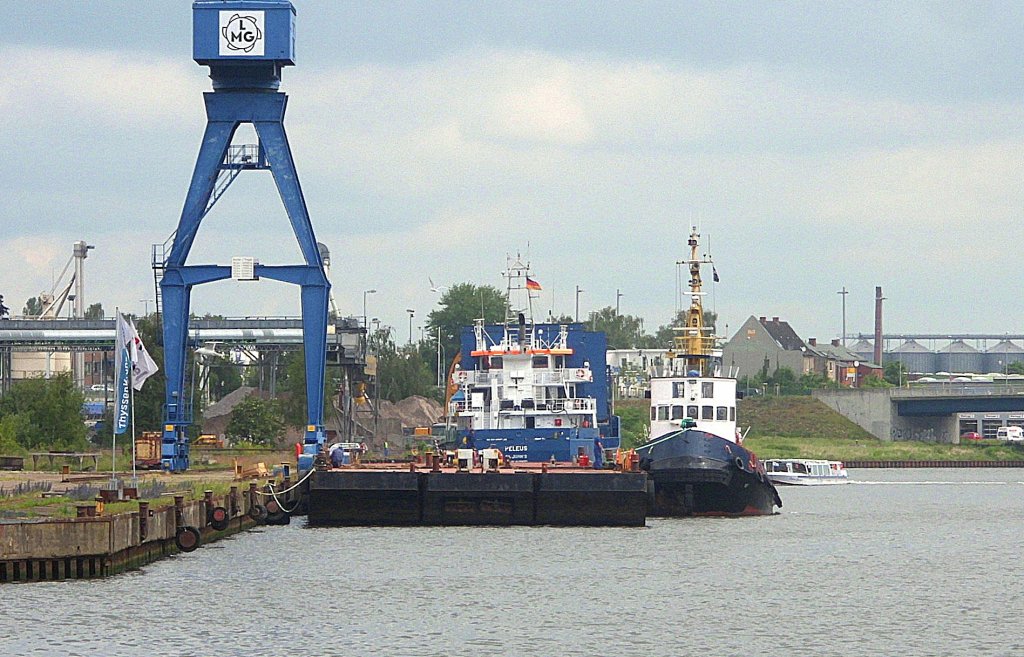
(900, 562)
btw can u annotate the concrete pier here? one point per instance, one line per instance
(579, 497)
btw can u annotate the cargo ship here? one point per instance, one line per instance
(694, 453)
(537, 392)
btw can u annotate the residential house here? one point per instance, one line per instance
(839, 364)
(763, 346)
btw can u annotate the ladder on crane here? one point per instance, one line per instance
(239, 158)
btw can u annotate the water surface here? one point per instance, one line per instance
(900, 562)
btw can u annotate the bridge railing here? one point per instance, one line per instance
(959, 389)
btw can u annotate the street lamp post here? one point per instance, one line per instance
(844, 292)
(440, 361)
(578, 290)
(618, 295)
(145, 307)
(411, 313)
(365, 292)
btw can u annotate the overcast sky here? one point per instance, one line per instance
(816, 145)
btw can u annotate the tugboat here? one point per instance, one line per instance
(694, 453)
(537, 392)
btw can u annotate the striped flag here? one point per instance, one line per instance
(143, 365)
(532, 285)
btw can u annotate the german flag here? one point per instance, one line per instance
(532, 285)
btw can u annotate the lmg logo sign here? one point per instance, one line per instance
(241, 33)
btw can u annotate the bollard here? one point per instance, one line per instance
(435, 463)
(98, 509)
(179, 511)
(65, 470)
(143, 520)
(543, 468)
(85, 511)
(207, 505)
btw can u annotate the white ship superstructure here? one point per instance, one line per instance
(529, 389)
(691, 389)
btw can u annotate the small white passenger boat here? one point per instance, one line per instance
(805, 472)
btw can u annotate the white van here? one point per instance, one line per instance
(1010, 434)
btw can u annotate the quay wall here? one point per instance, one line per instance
(82, 548)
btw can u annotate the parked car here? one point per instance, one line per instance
(970, 435)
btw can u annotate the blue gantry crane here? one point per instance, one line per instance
(246, 44)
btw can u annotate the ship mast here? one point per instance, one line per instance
(693, 342)
(518, 308)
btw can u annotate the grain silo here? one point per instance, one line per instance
(915, 357)
(959, 357)
(864, 350)
(1003, 354)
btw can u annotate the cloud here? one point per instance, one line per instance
(60, 86)
(595, 164)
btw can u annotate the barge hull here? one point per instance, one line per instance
(448, 498)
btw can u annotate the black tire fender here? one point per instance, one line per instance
(187, 539)
(219, 518)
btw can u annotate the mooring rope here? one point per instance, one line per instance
(274, 493)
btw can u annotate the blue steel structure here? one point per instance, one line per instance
(246, 44)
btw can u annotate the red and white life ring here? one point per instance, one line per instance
(462, 376)
(581, 373)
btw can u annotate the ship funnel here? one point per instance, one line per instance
(522, 330)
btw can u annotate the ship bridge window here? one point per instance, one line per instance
(732, 413)
(495, 362)
(654, 413)
(663, 412)
(721, 413)
(559, 362)
(485, 363)
(691, 412)
(540, 361)
(707, 412)
(678, 389)
(677, 412)
(707, 389)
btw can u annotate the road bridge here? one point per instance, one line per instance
(925, 413)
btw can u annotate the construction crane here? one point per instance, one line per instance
(246, 45)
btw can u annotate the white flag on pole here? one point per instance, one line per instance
(143, 365)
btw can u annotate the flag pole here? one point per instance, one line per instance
(135, 477)
(113, 423)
